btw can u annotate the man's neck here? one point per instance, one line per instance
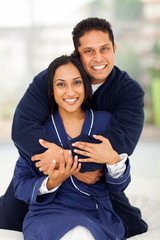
(96, 86)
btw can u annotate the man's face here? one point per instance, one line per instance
(97, 55)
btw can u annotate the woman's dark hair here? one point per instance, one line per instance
(63, 60)
(90, 24)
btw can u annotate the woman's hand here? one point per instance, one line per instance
(97, 152)
(65, 170)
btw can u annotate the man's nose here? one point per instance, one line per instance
(97, 56)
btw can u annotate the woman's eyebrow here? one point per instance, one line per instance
(59, 79)
(77, 78)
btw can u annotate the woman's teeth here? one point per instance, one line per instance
(70, 100)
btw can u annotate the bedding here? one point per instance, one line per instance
(150, 211)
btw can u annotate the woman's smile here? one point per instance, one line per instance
(71, 100)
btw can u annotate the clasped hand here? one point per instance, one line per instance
(65, 170)
(98, 153)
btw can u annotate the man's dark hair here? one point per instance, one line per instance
(88, 25)
(63, 60)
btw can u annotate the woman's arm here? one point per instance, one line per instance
(27, 180)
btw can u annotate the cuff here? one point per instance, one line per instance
(43, 188)
(117, 170)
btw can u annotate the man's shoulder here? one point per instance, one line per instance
(124, 77)
(41, 75)
(124, 81)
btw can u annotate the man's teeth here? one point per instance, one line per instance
(70, 100)
(99, 67)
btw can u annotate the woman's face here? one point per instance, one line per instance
(68, 88)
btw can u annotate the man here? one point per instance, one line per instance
(114, 91)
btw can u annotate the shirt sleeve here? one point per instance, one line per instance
(127, 119)
(117, 170)
(43, 188)
(30, 115)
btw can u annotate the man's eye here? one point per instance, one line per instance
(104, 49)
(88, 51)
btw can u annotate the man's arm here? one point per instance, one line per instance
(124, 98)
(31, 112)
(127, 120)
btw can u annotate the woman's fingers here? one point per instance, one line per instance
(51, 167)
(76, 165)
(61, 161)
(69, 161)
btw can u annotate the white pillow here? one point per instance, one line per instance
(10, 235)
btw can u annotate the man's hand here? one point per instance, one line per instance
(65, 170)
(45, 159)
(90, 177)
(97, 152)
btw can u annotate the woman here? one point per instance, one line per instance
(59, 202)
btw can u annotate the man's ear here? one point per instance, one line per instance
(115, 47)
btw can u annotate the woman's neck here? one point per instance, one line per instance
(73, 122)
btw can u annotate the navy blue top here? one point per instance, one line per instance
(119, 94)
(74, 203)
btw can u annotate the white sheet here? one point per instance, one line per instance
(151, 214)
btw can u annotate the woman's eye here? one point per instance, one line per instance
(78, 82)
(60, 84)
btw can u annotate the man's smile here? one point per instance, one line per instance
(100, 67)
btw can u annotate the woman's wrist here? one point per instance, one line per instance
(52, 183)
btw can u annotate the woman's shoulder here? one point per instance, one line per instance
(102, 120)
(102, 114)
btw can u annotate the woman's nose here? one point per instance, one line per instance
(70, 91)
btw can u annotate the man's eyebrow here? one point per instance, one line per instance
(106, 44)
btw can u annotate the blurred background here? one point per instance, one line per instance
(34, 32)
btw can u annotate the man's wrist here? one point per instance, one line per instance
(115, 158)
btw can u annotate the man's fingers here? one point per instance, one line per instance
(45, 172)
(37, 157)
(101, 138)
(83, 153)
(45, 144)
(83, 144)
(38, 164)
(88, 147)
(86, 160)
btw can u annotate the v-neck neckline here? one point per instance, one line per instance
(61, 130)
